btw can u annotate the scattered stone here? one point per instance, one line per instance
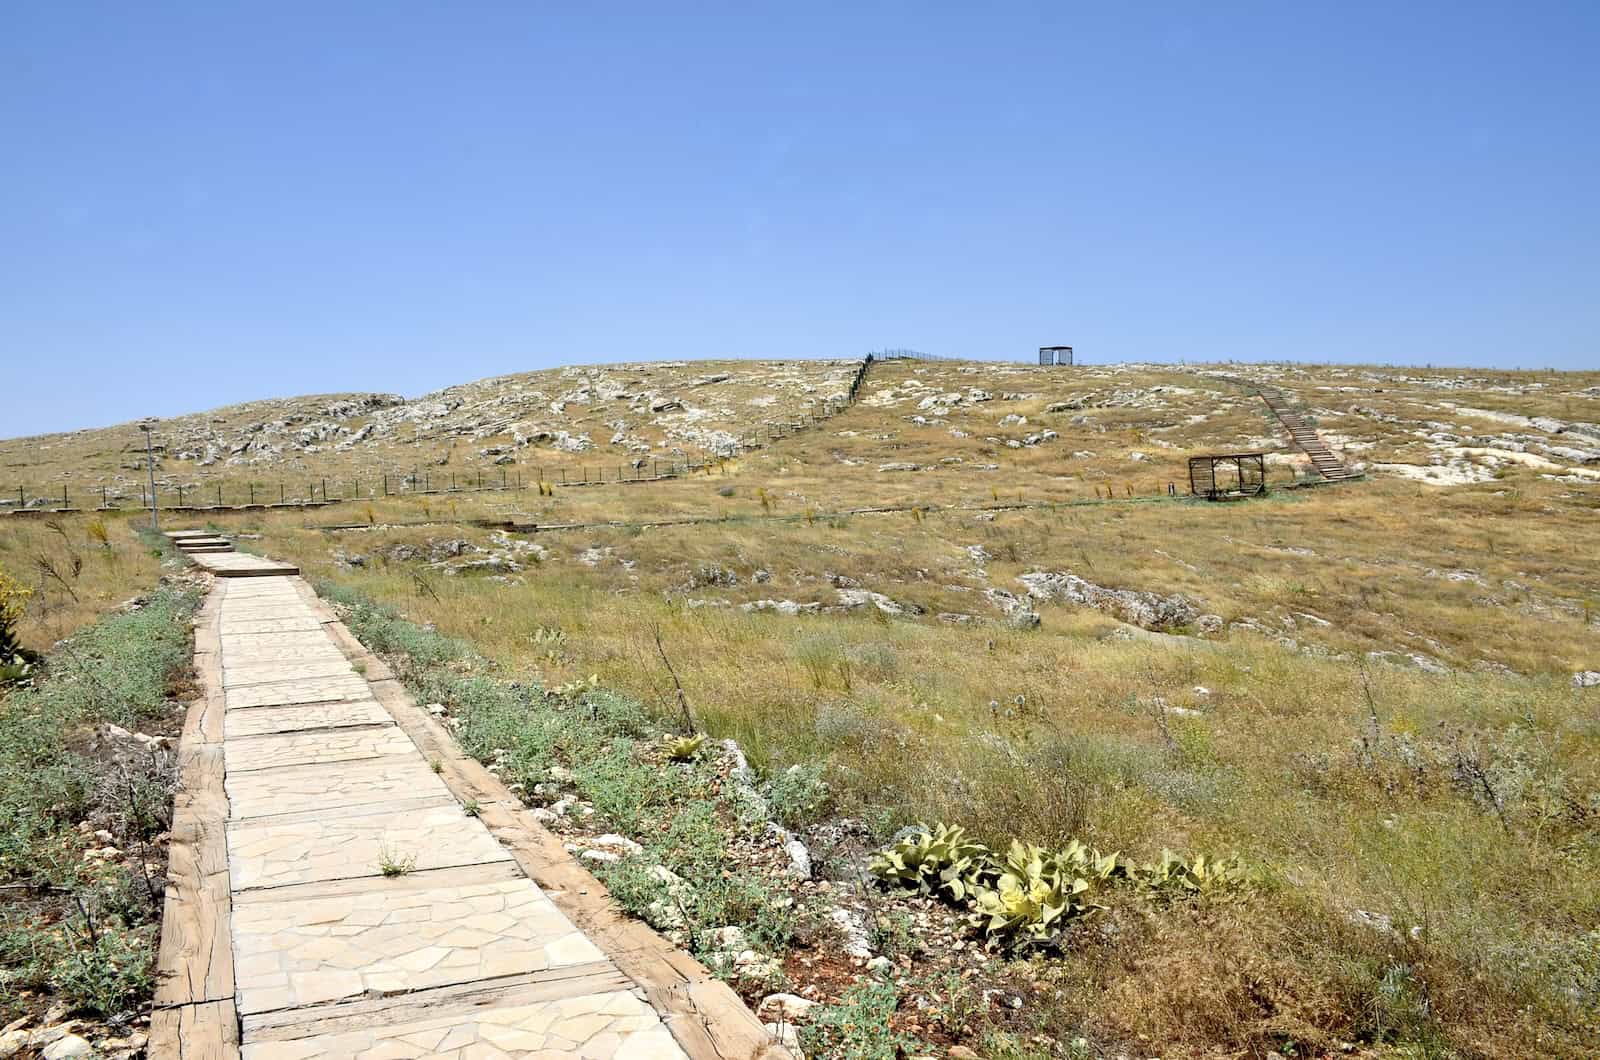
(850, 599)
(786, 1035)
(788, 1007)
(1586, 679)
(612, 841)
(782, 607)
(1146, 610)
(1425, 663)
(854, 929)
(1023, 619)
(66, 1047)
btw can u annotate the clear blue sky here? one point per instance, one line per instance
(205, 203)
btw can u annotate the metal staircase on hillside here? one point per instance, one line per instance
(1305, 436)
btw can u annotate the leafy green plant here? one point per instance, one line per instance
(940, 860)
(1089, 862)
(1171, 875)
(684, 748)
(1036, 894)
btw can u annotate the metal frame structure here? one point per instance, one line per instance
(1242, 475)
(1055, 355)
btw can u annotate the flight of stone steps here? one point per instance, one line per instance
(215, 554)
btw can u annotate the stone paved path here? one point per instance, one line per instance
(454, 953)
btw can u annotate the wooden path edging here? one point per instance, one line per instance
(194, 1016)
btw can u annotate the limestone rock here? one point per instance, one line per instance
(789, 1007)
(1146, 610)
(67, 1046)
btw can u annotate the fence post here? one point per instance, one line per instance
(103, 503)
(324, 491)
(219, 495)
(64, 502)
(252, 494)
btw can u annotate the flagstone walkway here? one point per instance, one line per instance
(367, 913)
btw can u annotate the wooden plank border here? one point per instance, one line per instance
(707, 1018)
(194, 1014)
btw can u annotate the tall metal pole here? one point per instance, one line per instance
(150, 466)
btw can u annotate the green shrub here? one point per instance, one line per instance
(111, 974)
(1171, 875)
(942, 860)
(1035, 896)
(799, 796)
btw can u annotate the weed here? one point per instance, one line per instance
(858, 1025)
(393, 864)
(799, 796)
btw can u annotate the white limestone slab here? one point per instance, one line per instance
(256, 673)
(364, 782)
(233, 625)
(609, 1026)
(306, 690)
(340, 844)
(258, 721)
(324, 746)
(407, 933)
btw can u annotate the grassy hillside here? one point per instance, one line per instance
(1371, 692)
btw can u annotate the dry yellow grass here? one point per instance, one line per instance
(77, 567)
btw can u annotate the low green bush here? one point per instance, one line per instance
(87, 933)
(1028, 897)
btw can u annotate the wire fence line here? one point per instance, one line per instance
(283, 492)
(319, 492)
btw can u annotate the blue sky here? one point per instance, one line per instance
(206, 203)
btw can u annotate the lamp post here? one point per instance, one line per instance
(150, 467)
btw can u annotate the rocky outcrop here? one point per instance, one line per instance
(1137, 607)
